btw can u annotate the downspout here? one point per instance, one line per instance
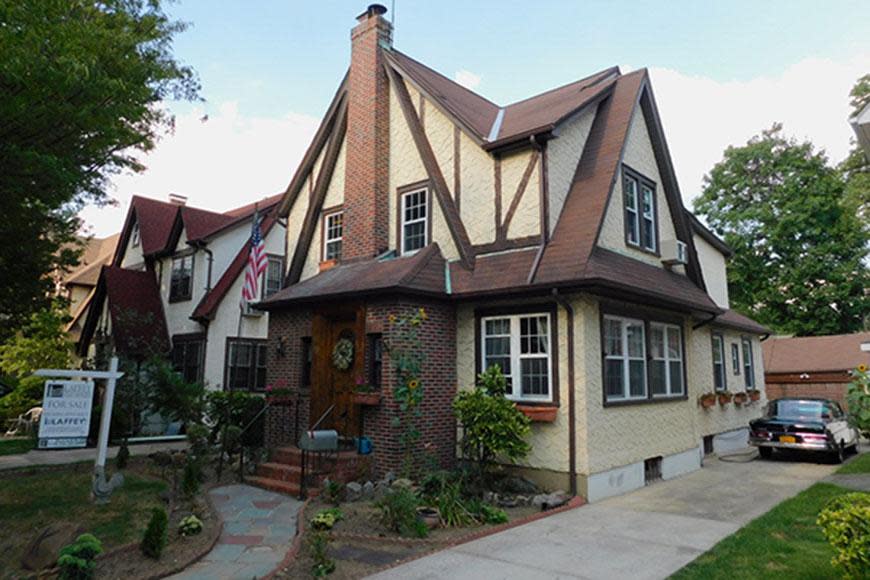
(201, 245)
(572, 427)
(704, 322)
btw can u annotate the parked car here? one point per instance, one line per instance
(806, 424)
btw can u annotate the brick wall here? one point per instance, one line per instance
(835, 391)
(286, 330)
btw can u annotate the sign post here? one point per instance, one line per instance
(102, 489)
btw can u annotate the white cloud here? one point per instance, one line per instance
(227, 161)
(467, 79)
(702, 116)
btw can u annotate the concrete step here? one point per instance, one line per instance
(280, 472)
(288, 455)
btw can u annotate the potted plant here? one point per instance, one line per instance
(707, 400)
(754, 395)
(279, 395)
(724, 397)
(365, 394)
(429, 516)
(740, 399)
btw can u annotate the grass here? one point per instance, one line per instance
(860, 464)
(32, 501)
(15, 446)
(783, 543)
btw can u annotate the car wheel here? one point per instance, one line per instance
(765, 452)
(839, 455)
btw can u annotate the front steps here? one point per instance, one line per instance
(283, 473)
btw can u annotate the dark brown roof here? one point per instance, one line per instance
(421, 273)
(841, 352)
(733, 319)
(138, 321)
(156, 220)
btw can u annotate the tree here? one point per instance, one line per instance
(81, 84)
(798, 248)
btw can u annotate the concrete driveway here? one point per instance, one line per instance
(650, 533)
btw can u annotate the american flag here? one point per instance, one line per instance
(257, 262)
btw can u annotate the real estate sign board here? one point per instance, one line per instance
(66, 414)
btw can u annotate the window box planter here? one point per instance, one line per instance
(740, 399)
(327, 264)
(724, 398)
(707, 400)
(539, 414)
(754, 395)
(367, 399)
(280, 400)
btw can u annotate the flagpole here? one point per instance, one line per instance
(243, 302)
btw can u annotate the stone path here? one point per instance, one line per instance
(258, 528)
(856, 481)
(37, 457)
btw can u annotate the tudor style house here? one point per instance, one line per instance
(174, 286)
(547, 237)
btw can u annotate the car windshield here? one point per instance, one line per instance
(800, 409)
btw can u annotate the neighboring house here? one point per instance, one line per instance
(174, 285)
(861, 125)
(813, 366)
(547, 237)
(78, 285)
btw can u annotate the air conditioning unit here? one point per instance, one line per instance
(674, 252)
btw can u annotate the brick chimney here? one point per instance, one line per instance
(366, 186)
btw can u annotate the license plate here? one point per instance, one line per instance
(787, 439)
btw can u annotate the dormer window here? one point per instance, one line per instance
(414, 226)
(639, 194)
(332, 234)
(181, 278)
(134, 236)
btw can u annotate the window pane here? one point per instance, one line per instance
(498, 326)
(637, 378)
(675, 347)
(533, 335)
(630, 193)
(718, 376)
(658, 381)
(649, 240)
(635, 339)
(415, 236)
(534, 376)
(274, 273)
(657, 341)
(498, 346)
(676, 377)
(612, 337)
(614, 378)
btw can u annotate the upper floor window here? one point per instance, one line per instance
(748, 364)
(181, 280)
(134, 236)
(414, 220)
(332, 232)
(520, 346)
(719, 383)
(640, 211)
(273, 276)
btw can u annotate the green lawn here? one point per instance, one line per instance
(783, 543)
(15, 446)
(30, 502)
(860, 464)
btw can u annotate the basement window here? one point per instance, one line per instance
(652, 470)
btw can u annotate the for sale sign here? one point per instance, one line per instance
(66, 414)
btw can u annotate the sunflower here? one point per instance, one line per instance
(862, 368)
(413, 384)
(392, 318)
(423, 314)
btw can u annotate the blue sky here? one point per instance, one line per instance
(722, 72)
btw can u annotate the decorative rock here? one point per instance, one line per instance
(507, 501)
(518, 484)
(43, 549)
(402, 483)
(390, 477)
(353, 491)
(550, 500)
(368, 490)
(490, 497)
(381, 489)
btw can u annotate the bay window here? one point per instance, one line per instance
(520, 345)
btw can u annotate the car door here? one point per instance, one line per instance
(839, 426)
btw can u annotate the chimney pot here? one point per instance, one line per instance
(372, 11)
(177, 199)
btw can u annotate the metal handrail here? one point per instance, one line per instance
(302, 486)
(322, 417)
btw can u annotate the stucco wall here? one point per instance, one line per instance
(477, 184)
(638, 155)
(178, 313)
(527, 219)
(563, 154)
(133, 255)
(713, 266)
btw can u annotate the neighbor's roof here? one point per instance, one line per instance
(840, 352)
(97, 252)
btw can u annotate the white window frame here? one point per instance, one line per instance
(327, 240)
(135, 236)
(648, 216)
(667, 329)
(748, 363)
(735, 359)
(424, 220)
(633, 236)
(516, 356)
(270, 259)
(626, 360)
(718, 338)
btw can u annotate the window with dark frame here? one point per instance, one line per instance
(718, 345)
(519, 344)
(639, 201)
(625, 369)
(376, 360)
(246, 364)
(273, 276)
(414, 220)
(181, 278)
(735, 358)
(134, 235)
(187, 358)
(306, 362)
(666, 360)
(333, 224)
(748, 364)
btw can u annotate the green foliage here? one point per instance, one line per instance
(82, 87)
(399, 513)
(170, 395)
(333, 491)
(799, 248)
(492, 515)
(845, 522)
(858, 401)
(76, 561)
(123, 456)
(326, 519)
(492, 426)
(451, 506)
(156, 533)
(318, 543)
(236, 408)
(191, 478)
(190, 526)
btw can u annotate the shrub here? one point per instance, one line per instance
(492, 515)
(453, 510)
(318, 541)
(333, 491)
(326, 519)
(399, 513)
(154, 539)
(123, 456)
(845, 522)
(492, 426)
(191, 477)
(190, 526)
(76, 561)
(858, 400)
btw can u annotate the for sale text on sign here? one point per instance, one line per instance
(66, 414)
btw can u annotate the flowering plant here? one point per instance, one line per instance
(363, 387)
(858, 400)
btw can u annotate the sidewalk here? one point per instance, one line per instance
(38, 457)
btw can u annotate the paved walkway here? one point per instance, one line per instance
(258, 528)
(647, 534)
(38, 457)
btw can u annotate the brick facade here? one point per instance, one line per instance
(287, 328)
(834, 391)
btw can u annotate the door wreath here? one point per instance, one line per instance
(342, 354)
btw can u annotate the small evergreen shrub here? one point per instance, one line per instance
(76, 561)
(191, 477)
(399, 513)
(190, 526)
(123, 456)
(845, 522)
(155, 536)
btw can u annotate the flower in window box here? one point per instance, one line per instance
(365, 394)
(707, 400)
(754, 395)
(279, 395)
(740, 399)
(724, 397)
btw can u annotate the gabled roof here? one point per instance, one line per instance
(840, 352)
(737, 321)
(708, 235)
